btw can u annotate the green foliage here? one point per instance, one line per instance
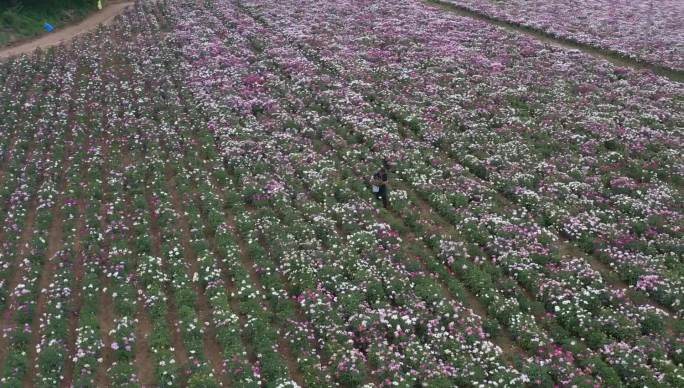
(202, 380)
(596, 339)
(541, 375)
(51, 360)
(21, 19)
(652, 324)
(491, 326)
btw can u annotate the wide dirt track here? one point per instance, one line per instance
(186, 202)
(65, 35)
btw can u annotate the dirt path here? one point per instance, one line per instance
(105, 16)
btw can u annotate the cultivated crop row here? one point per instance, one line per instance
(186, 203)
(646, 30)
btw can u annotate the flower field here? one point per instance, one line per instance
(185, 202)
(647, 30)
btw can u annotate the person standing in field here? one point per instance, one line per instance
(379, 185)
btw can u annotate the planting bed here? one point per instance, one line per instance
(646, 30)
(185, 202)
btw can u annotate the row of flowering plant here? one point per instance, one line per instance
(644, 30)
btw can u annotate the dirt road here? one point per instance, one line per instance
(106, 15)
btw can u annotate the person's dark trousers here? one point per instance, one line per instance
(382, 194)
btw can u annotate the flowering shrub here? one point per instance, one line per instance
(187, 204)
(644, 30)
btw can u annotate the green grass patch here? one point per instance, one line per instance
(23, 19)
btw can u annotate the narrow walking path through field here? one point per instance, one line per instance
(105, 16)
(614, 57)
